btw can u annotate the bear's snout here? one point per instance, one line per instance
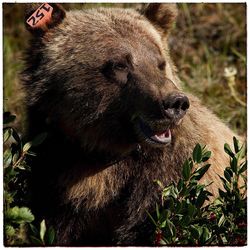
(175, 106)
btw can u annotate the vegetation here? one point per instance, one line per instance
(18, 218)
(208, 40)
(182, 218)
(185, 218)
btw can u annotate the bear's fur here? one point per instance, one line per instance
(90, 76)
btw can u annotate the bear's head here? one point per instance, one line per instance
(104, 76)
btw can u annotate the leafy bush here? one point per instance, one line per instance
(18, 218)
(182, 218)
(185, 218)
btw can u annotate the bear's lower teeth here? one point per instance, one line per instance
(163, 137)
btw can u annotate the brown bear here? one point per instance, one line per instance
(101, 83)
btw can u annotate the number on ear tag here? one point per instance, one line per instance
(41, 16)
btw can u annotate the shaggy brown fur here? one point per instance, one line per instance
(93, 80)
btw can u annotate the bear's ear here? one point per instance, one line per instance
(39, 18)
(161, 15)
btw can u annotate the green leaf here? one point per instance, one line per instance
(42, 230)
(31, 153)
(170, 191)
(21, 166)
(201, 199)
(242, 153)
(243, 168)
(197, 153)
(201, 171)
(8, 197)
(227, 175)
(164, 214)
(228, 150)
(171, 203)
(159, 183)
(163, 224)
(186, 170)
(191, 210)
(26, 214)
(226, 184)
(16, 136)
(163, 242)
(229, 170)
(34, 229)
(236, 145)
(7, 134)
(206, 156)
(194, 231)
(184, 192)
(218, 202)
(15, 157)
(39, 139)
(9, 230)
(19, 215)
(234, 164)
(206, 234)
(222, 194)
(50, 236)
(170, 228)
(27, 146)
(191, 163)
(180, 185)
(36, 142)
(9, 174)
(157, 211)
(179, 207)
(221, 220)
(7, 158)
(35, 240)
(185, 220)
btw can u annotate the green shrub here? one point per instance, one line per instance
(182, 218)
(185, 218)
(18, 218)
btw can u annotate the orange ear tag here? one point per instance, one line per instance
(40, 17)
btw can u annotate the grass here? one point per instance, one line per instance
(207, 39)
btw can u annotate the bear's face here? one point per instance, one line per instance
(112, 72)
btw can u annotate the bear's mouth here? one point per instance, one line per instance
(147, 134)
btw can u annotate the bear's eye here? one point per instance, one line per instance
(162, 65)
(116, 72)
(120, 66)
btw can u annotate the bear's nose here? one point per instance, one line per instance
(176, 105)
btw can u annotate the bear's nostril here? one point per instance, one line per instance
(176, 104)
(185, 104)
